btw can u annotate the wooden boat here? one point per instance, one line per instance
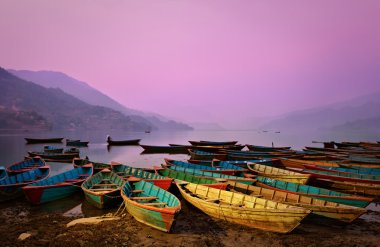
(78, 162)
(163, 149)
(265, 148)
(52, 149)
(59, 186)
(202, 155)
(278, 173)
(53, 156)
(243, 209)
(217, 176)
(3, 172)
(227, 169)
(350, 187)
(10, 187)
(122, 142)
(191, 178)
(212, 143)
(355, 169)
(43, 140)
(150, 204)
(131, 173)
(363, 173)
(320, 207)
(216, 149)
(298, 163)
(363, 159)
(339, 176)
(103, 189)
(76, 143)
(314, 192)
(26, 165)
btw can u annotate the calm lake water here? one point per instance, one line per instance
(13, 148)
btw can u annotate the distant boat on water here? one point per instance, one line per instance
(43, 140)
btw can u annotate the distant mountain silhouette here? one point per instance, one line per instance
(84, 92)
(27, 105)
(348, 113)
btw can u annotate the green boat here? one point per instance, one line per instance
(215, 175)
(151, 205)
(103, 189)
(132, 173)
(314, 192)
(191, 178)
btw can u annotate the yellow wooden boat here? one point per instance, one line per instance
(278, 173)
(320, 207)
(243, 209)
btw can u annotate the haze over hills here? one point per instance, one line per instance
(358, 114)
(84, 92)
(25, 105)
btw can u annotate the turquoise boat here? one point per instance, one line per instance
(3, 172)
(363, 173)
(215, 175)
(78, 162)
(151, 205)
(25, 165)
(52, 149)
(103, 189)
(356, 169)
(132, 173)
(11, 186)
(314, 192)
(224, 168)
(58, 186)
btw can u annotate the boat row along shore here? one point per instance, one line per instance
(263, 187)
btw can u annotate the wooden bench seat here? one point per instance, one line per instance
(102, 189)
(154, 203)
(138, 198)
(95, 185)
(137, 191)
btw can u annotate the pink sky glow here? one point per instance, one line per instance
(199, 60)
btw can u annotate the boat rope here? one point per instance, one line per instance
(118, 212)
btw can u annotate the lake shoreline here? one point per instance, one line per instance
(192, 228)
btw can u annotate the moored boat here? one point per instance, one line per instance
(266, 148)
(3, 172)
(43, 140)
(10, 187)
(76, 143)
(25, 165)
(212, 143)
(103, 189)
(328, 209)
(202, 155)
(52, 149)
(59, 186)
(163, 149)
(278, 173)
(150, 204)
(98, 166)
(122, 142)
(314, 192)
(243, 209)
(132, 173)
(54, 156)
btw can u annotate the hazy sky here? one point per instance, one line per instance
(200, 60)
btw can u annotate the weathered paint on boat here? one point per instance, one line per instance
(103, 189)
(350, 187)
(10, 187)
(214, 175)
(279, 174)
(191, 178)
(57, 187)
(127, 173)
(243, 209)
(151, 205)
(25, 165)
(315, 192)
(324, 208)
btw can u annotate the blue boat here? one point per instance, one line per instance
(52, 149)
(355, 169)
(58, 186)
(10, 187)
(26, 165)
(221, 166)
(3, 172)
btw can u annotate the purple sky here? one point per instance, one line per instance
(200, 60)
